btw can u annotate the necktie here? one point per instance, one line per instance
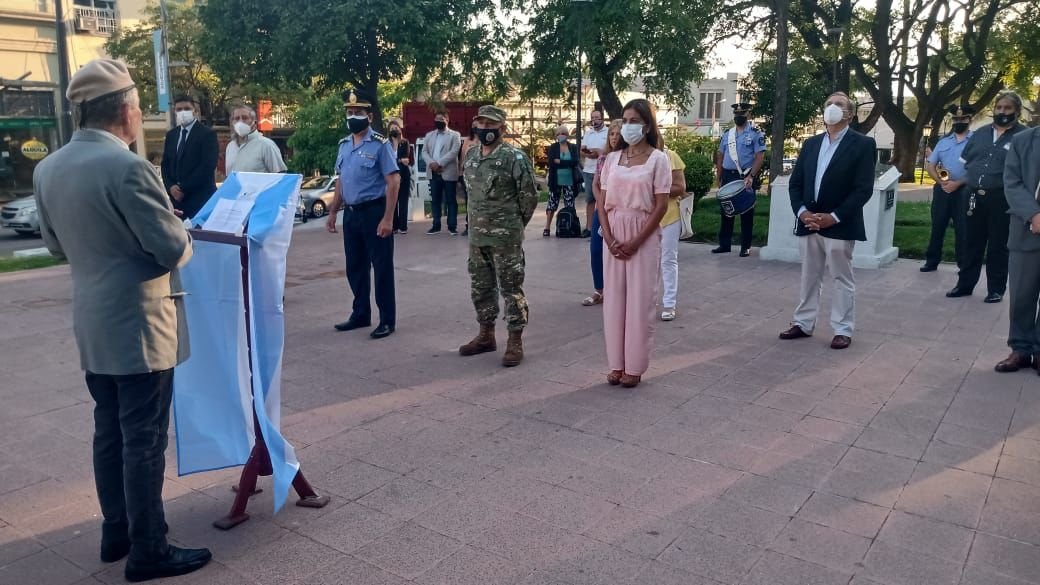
(182, 140)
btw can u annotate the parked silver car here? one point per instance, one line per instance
(21, 216)
(316, 195)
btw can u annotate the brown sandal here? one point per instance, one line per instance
(614, 377)
(630, 381)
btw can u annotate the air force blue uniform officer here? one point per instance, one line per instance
(740, 156)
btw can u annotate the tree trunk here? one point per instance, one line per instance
(371, 88)
(776, 159)
(609, 96)
(906, 153)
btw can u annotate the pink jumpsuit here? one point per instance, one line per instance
(630, 286)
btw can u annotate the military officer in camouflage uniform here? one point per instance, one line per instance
(502, 200)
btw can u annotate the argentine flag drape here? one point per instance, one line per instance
(212, 402)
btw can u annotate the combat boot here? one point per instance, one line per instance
(482, 343)
(514, 350)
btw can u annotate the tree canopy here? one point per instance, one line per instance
(661, 43)
(331, 44)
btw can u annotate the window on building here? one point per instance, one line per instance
(709, 105)
(97, 17)
(26, 104)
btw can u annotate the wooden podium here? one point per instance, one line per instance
(259, 462)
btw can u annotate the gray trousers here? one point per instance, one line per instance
(131, 419)
(818, 255)
(1024, 289)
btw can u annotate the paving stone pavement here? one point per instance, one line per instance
(742, 459)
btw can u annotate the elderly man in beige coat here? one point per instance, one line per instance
(104, 208)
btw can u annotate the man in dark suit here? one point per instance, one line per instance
(832, 180)
(189, 160)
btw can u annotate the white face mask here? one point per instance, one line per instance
(185, 117)
(243, 129)
(833, 114)
(632, 133)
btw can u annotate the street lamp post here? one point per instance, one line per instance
(581, 38)
(65, 122)
(835, 34)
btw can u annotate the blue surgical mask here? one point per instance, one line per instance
(561, 139)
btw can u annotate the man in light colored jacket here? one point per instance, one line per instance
(105, 210)
(441, 153)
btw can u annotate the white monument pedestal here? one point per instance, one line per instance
(879, 219)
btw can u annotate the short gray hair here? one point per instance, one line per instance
(1010, 96)
(106, 111)
(563, 129)
(251, 111)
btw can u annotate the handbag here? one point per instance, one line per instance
(686, 206)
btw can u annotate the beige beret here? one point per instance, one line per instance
(99, 78)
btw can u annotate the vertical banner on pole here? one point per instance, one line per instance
(162, 82)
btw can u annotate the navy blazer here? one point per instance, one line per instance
(193, 169)
(847, 185)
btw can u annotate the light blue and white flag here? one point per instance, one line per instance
(212, 402)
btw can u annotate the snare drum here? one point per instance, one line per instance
(736, 199)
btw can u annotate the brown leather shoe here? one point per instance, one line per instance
(841, 342)
(1014, 362)
(795, 332)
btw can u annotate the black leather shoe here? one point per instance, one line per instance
(351, 324)
(956, 292)
(993, 298)
(114, 551)
(745, 252)
(178, 561)
(929, 268)
(720, 250)
(382, 331)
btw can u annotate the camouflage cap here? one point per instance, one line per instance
(493, 113)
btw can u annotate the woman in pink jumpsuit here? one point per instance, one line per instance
(635, 182)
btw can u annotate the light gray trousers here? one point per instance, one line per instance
(818, 255)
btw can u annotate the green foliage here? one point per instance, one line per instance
(134, 45)
(698, 153)
(328, 44)
(804, 93)
(661, 42)
(319, 127)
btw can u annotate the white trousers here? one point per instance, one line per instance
(670, 263)
(818, 255)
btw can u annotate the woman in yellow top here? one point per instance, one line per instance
(671, 229)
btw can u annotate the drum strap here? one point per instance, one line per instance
(731, 146)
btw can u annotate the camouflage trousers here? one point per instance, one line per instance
(494, 270)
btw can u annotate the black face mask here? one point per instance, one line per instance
(740, 120)
(357, 125)
(440, 125)
(960, 127)
(395, 134)
(1004, 119)
(488, 136)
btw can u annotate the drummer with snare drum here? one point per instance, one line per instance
(739, 158)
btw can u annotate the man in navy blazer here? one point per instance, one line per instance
(832, 180)
(189, 160)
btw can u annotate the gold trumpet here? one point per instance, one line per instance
(944, 175)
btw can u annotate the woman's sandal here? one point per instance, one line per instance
(629, 381)
(614, 377)
(545, 233)
(595, 299)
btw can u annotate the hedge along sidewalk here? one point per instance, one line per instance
(912, 230)
(15, 264)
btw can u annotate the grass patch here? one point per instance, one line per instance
(14, 264)
(912, 230)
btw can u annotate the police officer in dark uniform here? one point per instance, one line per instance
(946, 169)
(987, 208)
(740, 157)
(367, 192)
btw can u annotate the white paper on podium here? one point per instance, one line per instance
(229, 216)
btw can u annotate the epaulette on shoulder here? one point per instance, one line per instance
(379, 137)
(344, 139)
